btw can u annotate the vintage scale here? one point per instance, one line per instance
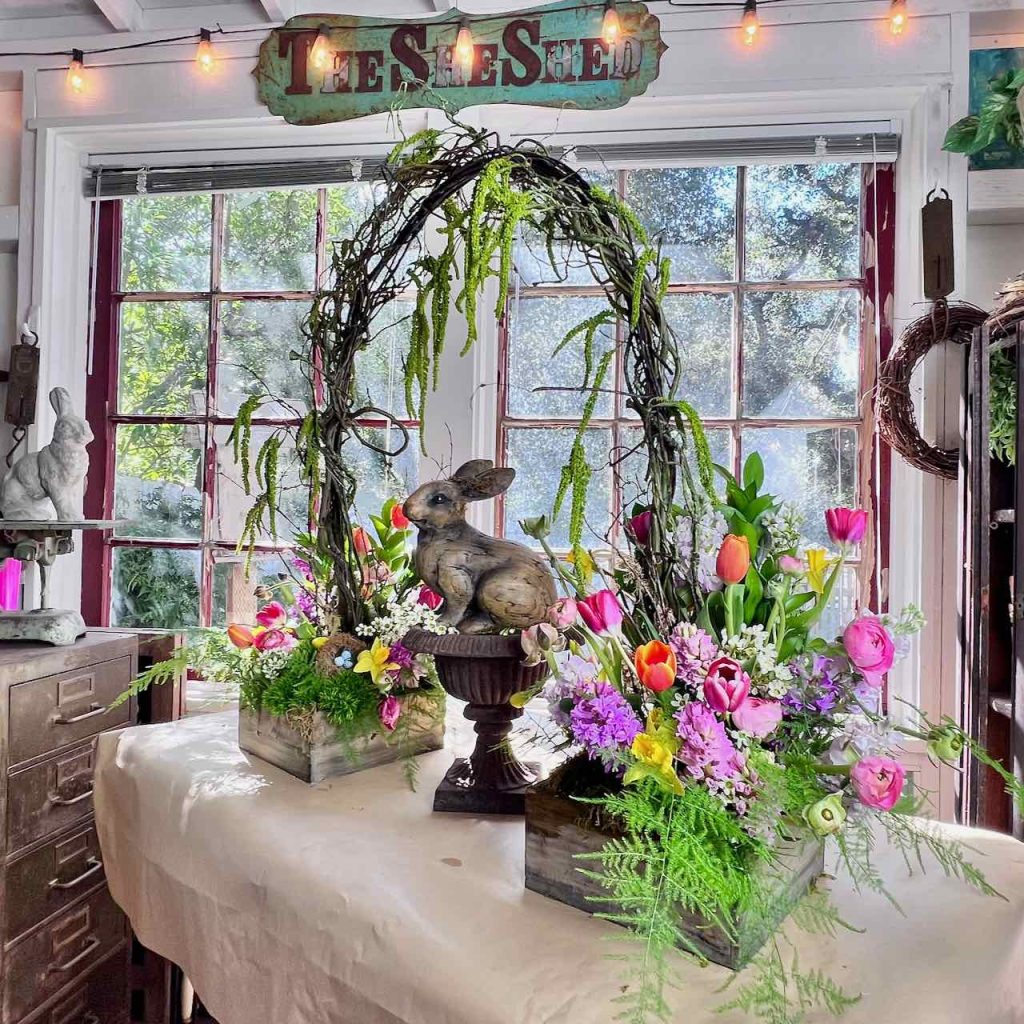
(41, 541)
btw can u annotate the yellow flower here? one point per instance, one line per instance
(376, 661)
(652, 751)
(817, 566)
(319, 641)
(586, 566)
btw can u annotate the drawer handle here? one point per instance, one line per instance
(69, 801)
(94, 710)
(90, 947)
(95, 864)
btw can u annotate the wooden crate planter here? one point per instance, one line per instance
(325, 754)
(558, 828)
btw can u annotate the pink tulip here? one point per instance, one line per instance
(563, 612)
(429, 598)
(878, 782)
(390, 711)
(727, 686)
(870, 648)
(274, 640)
(240, 636)
(361, 541)
(399, 520)
(846, 525)
(639, 527)
(757, 717)
(272, 616)
(601, 611)
(790, 564)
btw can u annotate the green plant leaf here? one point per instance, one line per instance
(753, 473)
(960, 137)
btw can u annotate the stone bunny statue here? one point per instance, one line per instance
(52, 479)
(487, 583)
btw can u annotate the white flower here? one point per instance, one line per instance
(401, 616)
(755, 651)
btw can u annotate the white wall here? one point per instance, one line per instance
(995, 253)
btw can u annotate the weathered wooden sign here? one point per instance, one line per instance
(548, 56)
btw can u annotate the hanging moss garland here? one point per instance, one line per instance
(427, 180)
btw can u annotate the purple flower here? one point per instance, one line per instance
(401, 655)
(305, 606)
(819, 689)
(390, 711)
(302, 566)
(695, 651)
(705, 749)
(576, 679)
(604, 723)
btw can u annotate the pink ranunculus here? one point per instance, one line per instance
(430, 598)
(639, 528)
(757, 717)
(601, 611)
(563, 612)
(869, 647)
(272, 616)
(274, 640)
(390, 711)
(846, 525)
(727, 686)
(792, 565)
(878, 781)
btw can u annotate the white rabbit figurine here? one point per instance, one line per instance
(54, 477)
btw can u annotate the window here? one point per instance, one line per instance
(767, 297)
(200, 301)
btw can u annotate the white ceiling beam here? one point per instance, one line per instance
(278, 10)
(123, 15)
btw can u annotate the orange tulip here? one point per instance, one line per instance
(361, 541)
(733, 559)
(240, 636)
(655, 665)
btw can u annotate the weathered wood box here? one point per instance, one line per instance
(558, 828)
(319, 753)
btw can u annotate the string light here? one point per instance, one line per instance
(897, 16)
(320, 52)
(76, 71)
(611, 27)
(464, 44)
(750, 23)
(205, 56)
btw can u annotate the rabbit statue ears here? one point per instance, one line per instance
(478, 479)
(61, 402)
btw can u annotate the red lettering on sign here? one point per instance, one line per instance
(299, 43)
(594, 68)
(369, 77)
(485, 56)
(517, 49)
(558, 60)
(409, 57)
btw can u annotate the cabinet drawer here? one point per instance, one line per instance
(49, 879)
(100, 998)
(51, 712)
(50, 796)
(60, 953)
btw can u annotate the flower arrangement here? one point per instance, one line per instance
(294, 664)
(715, 740)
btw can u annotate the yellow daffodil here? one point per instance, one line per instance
(654, 750)
(319, 641)
(376, 661)
(586, 564)
(817, 566)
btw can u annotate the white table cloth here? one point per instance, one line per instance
(351, 902)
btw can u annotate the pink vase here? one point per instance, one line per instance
(10, 585)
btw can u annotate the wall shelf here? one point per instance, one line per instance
(995, 197)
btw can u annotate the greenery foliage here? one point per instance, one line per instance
(1002, 438)
(998, 118)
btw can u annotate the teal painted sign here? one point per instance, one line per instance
(319, 68)
(986, 65)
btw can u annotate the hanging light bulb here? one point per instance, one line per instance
(611, 27)
(750, 23)
(897, 16)
(76, 71)
(205, 56)
(464, 45)
(320, 52)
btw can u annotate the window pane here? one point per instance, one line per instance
(692, 212)
(158, 480)
(348, 206)
(801, 354)
(156, 588)
(165, 244)
(257, 339)
(803, 222)
(380, 477)
(537, 457)
(841, 608)
(379, 367)
(162, 357)
(633, 467)
(269, 240)
(232, 503)
(703, 324)
(234, 590)
(536, 327)
(812, 469)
